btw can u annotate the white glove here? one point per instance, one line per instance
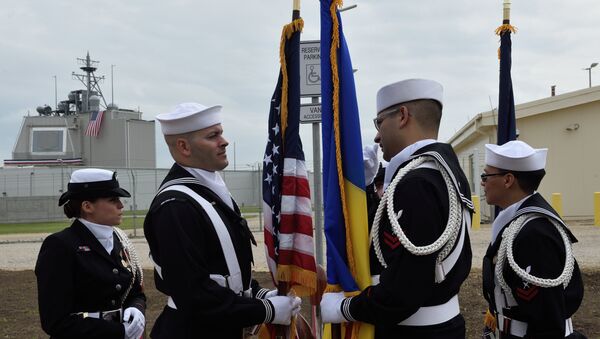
(271, 293)
(370, 162)
(331, 308)
(285, 308)
(134, 322)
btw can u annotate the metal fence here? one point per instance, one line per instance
(24, 188)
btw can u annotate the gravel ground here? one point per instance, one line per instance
(19, 251)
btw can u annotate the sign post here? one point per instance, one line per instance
(310, 86)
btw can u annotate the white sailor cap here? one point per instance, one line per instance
(408, 90)
(89, 183)
(515, 155)
(189, 117)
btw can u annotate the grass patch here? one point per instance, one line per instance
(131, 220)
(55, 226)
(249, 209)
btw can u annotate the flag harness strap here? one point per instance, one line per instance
(234, 280)
(505, 253)
(458, 217)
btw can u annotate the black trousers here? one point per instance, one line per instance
(451, 329)
(173, 324)
(574, 335)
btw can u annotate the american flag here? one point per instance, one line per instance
(286, 195)
(93, 127)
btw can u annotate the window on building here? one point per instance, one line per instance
(48, 140)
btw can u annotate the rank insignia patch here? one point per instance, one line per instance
(528, 293)
(391, 240)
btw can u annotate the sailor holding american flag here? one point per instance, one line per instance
(200, 243)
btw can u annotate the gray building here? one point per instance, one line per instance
(78, 132)
(123, 140)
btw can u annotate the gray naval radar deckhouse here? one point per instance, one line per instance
(84, 130)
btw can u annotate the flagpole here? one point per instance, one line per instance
(296, 10)
(506, 12)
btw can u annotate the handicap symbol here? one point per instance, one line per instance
(313, 77)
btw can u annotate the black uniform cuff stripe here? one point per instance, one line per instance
(261, 293)
(345, 307)
(269, 310)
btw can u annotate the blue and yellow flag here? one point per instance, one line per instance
(346, 228)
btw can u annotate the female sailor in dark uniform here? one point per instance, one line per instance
(531, 279)
(89, 279)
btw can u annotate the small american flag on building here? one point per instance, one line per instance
(93, 127)
(286, 194)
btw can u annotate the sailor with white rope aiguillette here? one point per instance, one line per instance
(530, 277)
(420, 230)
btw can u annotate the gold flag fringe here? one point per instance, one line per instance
(304, 281)
(506, 28)
(503, 29)
(335, 45)
(489, 321)
(337, 288)
(286, 33)
(290, 273)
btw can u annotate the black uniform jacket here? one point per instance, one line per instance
(408, 282)
(76, 274)
(537, 246)
(372, 204)
(184, 243)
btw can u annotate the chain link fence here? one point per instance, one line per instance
(30, 194)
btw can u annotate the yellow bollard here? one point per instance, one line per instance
(557, 203)
(476, 222)
(597, 208)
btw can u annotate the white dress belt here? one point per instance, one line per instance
(375, 279)
(432, 315)
(519, 328)
(99, 314)
(219, 279)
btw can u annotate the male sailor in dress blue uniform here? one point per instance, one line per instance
(530, 277)
(423, 246)
(200, 243)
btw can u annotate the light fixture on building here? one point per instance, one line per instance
(572, 127)
(589, 69)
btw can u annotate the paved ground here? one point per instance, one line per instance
(19, 251)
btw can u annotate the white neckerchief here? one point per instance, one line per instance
(504, 217)
(103, 233)
(401, 157)
(214, 182)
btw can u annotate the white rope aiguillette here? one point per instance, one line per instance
(506, 252)
(447, 238)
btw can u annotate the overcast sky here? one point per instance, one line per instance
(226, 52)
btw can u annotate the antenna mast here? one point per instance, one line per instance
(89, 79)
